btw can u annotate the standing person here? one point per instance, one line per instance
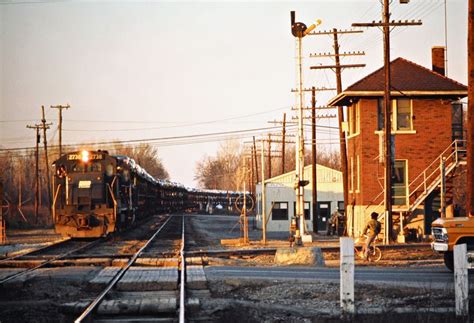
(373, 227)
(332, 223)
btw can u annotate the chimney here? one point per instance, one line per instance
(437, 59)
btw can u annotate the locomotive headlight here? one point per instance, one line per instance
(85, 156)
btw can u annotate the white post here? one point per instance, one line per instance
(461, 280)
(347, 276)
(299, 162)
(442, 170)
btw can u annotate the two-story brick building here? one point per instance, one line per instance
(426, 121)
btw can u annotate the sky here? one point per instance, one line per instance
(133, 70)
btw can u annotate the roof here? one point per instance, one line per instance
(407, 79)
(325, 174)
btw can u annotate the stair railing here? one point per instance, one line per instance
(427, 180)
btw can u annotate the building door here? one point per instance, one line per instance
(457, 119)
(324, 213)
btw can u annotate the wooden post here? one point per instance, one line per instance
(347, 276)
(60, 126)
(387, 126)
(461, 280)
(37, 128)
(470, 111)
(283, 139)
(252, 174)
(269, 162)
(256, 161)
(3, 235)
(314, 182)
(45, 142)
(340, 116)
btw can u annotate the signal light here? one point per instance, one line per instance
(85, 156)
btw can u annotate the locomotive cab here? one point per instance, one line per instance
(84, 203)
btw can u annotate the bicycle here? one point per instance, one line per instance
(375, 254)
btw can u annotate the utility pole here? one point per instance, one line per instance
(60, 110)
(243, 215)
(299, 30)
(386, 24)
(3, 235)
(313, 161)
(337, 68)
(45, 127)
(269, 162)
(252, 173)
(283, 147)
(470, 111)
(38, 138)
(255, 159)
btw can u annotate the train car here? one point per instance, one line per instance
(96, 193)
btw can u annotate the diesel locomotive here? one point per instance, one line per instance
(95, 194)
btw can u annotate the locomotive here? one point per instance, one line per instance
(95, 194)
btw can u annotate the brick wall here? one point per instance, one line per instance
(432, 123)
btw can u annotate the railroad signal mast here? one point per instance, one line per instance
(386, 24)
(299, 30)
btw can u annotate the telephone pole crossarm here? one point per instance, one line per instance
(331, 32)
(345, 54)
(320, 67)
(393, 23)
(318, 89)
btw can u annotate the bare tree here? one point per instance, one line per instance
(146, 156)
(222, 171)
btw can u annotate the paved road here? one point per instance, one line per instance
(428, 277)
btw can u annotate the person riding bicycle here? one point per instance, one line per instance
(374, 227)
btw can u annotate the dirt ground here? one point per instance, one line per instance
(209, 231)
(232, 300)
(282, 301)
(253, 300)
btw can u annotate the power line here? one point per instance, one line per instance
(158, 139)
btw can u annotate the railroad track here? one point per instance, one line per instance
(52, 252)
(112, 303)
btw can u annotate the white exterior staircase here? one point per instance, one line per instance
(425, 183)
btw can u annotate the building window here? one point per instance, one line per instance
(354, 119)
(402, 108)
(280, 211)
(340, 206)
(404, 114)
(307, 210)
(399, 182)
(457, 120)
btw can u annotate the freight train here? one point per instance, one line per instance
(96, 193)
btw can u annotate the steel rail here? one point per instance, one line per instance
(183, 278)
(91, 244)
(54, 244)
(117, 277)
